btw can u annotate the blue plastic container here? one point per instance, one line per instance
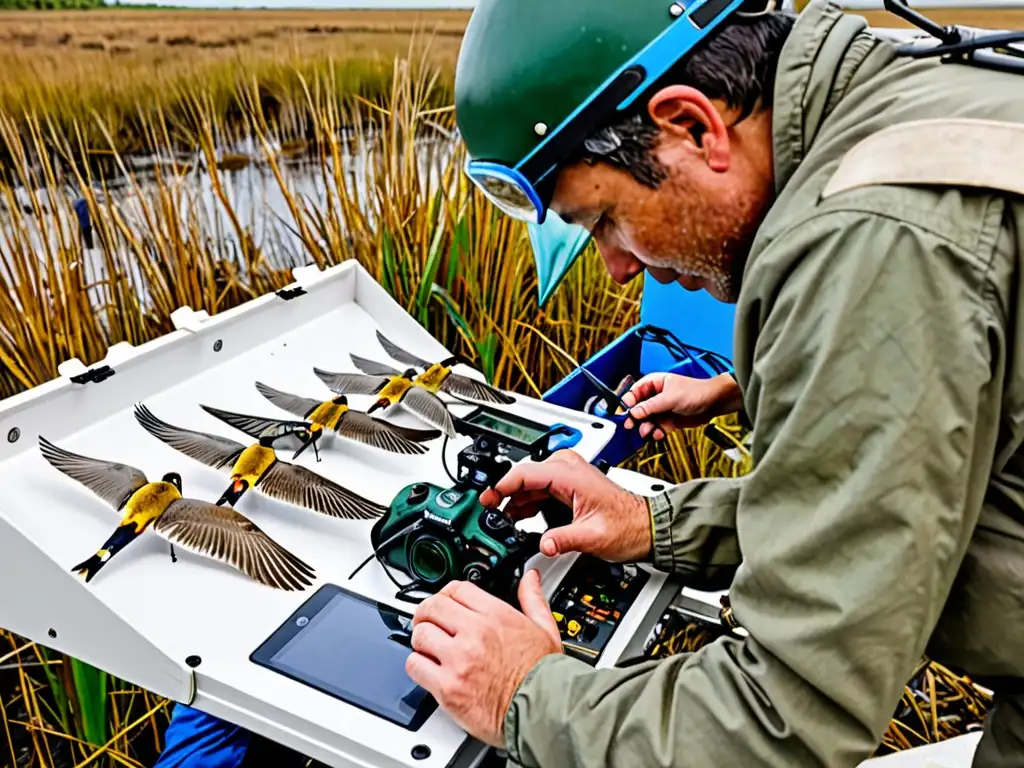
(626, 357)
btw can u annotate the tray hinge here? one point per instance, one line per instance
(95, 375)
(290, 293)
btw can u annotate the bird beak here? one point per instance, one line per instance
(305, 445)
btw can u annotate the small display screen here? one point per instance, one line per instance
(523, 432)
(345, 645)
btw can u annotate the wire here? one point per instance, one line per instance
(444, 460)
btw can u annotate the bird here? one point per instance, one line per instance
(391, 388)
(337, 416)
(438, 377)
(257, 466)
(219, 533)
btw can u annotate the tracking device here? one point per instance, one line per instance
(517, 437)
(352, 648)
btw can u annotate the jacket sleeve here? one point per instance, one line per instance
(875, 390)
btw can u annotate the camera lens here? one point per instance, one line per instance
(430, 559)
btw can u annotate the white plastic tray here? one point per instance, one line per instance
(143, 615)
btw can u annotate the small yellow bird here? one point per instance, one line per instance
(207, 530)
(438, 377)
(337, 416)
(257, 466)
(392, 388)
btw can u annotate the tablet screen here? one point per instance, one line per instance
(344, 644)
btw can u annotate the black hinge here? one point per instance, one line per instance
(290, 293)
(95, 375)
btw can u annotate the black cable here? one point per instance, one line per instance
(444, 460)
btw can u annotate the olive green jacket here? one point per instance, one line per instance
(875, 345)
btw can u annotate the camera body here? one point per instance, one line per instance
(436, 535)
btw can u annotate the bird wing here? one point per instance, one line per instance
(297, 485)
(429, 407)
(351, 383)
(416, 435)
(399, 354)
(223, 534)
(300, 406)
(254, 426)
(463, 386)
(357, 425)
(372, 367)
(111, 481)
(211, 450)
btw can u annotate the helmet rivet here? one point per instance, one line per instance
(540, 129)
(676, 10)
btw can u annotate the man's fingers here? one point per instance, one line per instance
(527, 477)
(469, 596)
(660, 403)
(430, 640)
(575, 537)
(519, 512)
(648, 386)
(425, 672)
(535, 606)
(441, 610)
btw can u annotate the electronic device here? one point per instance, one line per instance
(591, 601)
(352, 648)
(516, 436)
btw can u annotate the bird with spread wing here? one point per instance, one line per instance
(257, 466)
(392, 388)
(438, 377)
(337, 416)
(214, 532)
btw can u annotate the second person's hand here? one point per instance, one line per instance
(608, 521)
(664, 402)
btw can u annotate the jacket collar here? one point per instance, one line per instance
(817, 63)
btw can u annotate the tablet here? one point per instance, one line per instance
(351, 648)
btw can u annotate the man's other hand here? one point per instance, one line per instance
(665, 402)
(608, 521)
(471, 651)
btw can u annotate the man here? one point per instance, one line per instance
(875, 349)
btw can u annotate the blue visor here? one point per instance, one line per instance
(556, 246)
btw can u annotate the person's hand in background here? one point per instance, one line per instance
(661, 403)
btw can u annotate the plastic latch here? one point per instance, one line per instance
(187, 319)
(290, 293)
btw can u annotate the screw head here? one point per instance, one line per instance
(193, 661)
(540, 129)
(657, 487)
(218, 345)
(420, 752)
(52, 633)
(676, 10)
(13, 435)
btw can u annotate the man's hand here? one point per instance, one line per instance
(664, 402)
(471, 651)
(608, 521)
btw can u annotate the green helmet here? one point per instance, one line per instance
(524, 64)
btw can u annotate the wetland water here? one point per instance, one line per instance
(253, 194)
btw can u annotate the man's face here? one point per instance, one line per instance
(696, 228)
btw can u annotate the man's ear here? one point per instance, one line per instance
(688, 114)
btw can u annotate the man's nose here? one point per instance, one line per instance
(621, 264)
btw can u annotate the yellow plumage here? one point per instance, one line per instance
(433, 378)
(394, 390)
(328, 414)
(148, 503)
(253, 463)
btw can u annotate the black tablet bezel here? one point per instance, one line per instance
(289, 629)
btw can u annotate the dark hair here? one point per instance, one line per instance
(736, 64)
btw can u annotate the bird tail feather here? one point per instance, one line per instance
(122, 537)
